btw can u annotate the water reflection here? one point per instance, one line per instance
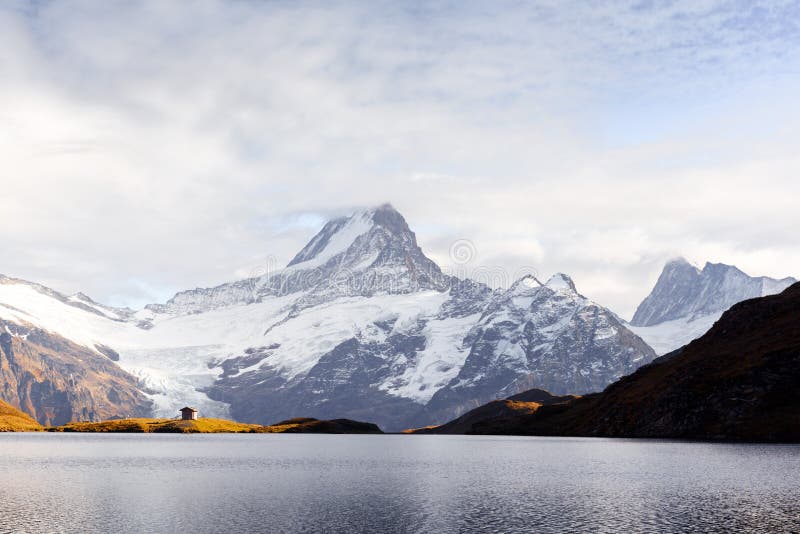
(269, 483)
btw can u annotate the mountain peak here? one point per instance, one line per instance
(525, 284)
(371, 251)
(684, 291)
(561, 282)
(385, 207)
(530, 285)
(722, 268)
(680, 264)
(338, 234)
(678, 260)
(334, 237)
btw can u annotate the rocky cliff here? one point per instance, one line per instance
(58, 381)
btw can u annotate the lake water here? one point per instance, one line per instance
(312, 483)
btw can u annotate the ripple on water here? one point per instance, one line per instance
(304, 483)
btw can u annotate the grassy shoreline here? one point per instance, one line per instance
(218, 426)
(15, 420)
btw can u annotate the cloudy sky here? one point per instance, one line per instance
(157, 146)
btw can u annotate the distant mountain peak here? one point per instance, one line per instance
(685, 292)
(561, 282)
(386, 206)
(677, 260)
(372, 251)
(525, 284)
(680, 263)
(711, 266)
(334, 237)
(341, 233)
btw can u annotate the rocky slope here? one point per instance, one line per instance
(737, 382)
(686, 301)
(58, 381)
(547, 336)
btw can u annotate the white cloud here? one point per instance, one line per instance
(149, 147)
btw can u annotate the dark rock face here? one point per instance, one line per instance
(737, 382)
(58, 381)
(110, 353)
(344, 383)
(684, 291)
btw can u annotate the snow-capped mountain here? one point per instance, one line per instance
(545, 336)
(686, 301)
(360, 324)
(370, 252)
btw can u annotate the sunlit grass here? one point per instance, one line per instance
(177, 426)
(201, 426)
(14, 420)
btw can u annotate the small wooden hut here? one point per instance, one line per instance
(188, 414)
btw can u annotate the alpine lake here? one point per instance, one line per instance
(121, 483)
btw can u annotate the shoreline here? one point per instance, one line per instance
(301, 425)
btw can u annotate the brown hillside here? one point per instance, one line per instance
(58, 381)
(504, 412)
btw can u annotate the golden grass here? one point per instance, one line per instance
(14, 420)
(18, 424)
(523, 407)
(419, 430)
(212, 426)
(176, 426)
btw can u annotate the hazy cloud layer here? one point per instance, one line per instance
(155, 146)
